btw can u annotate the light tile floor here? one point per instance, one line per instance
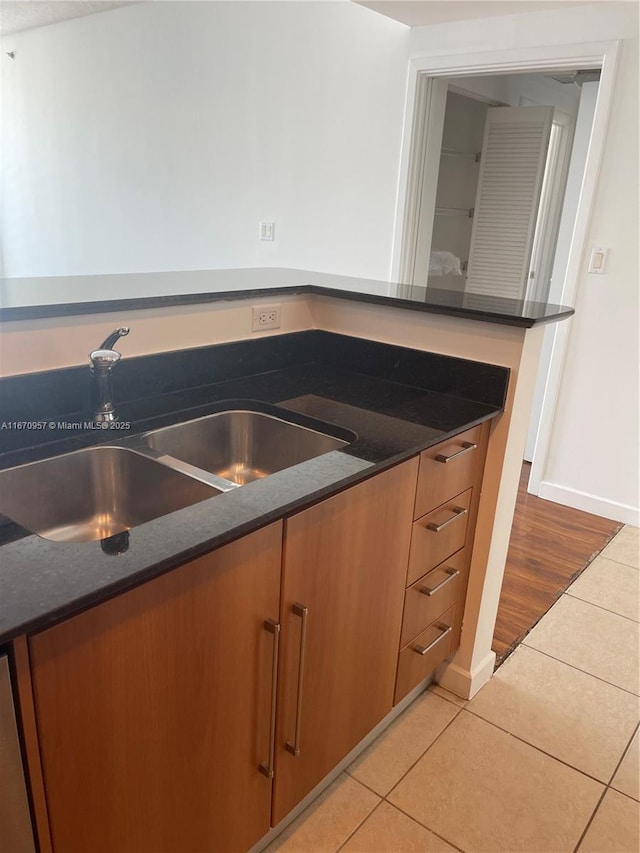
(545, 758)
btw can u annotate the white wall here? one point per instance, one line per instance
(509, 88)
(487, 88)
(584, 123)
(155, 137)
(594, 452)
(593, 463)
(543, 91)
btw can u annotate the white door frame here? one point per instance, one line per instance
(602, 55)
(550, 211)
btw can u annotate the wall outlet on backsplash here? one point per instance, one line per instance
(265, 317)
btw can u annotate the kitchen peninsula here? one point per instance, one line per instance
(418, 390)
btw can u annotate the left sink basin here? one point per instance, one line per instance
(95, 493)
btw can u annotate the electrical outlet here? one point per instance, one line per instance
(265, 317)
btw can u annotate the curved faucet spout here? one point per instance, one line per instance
(108, 343)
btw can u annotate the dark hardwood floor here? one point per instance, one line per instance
(550, 546)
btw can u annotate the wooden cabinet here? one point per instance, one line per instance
(195, 711)
(420, 657)
(153, 709)
(432, 594)
(438, 535)
(446, 506)
(344, 569)
(447, 469)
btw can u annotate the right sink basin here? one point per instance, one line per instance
(241, 445)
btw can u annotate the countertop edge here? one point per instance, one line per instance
(118, 305)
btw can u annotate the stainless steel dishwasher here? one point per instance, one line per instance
(16, 835)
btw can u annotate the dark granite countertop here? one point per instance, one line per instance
(42, 581)
(432, 300)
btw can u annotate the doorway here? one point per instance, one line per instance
(500, 189)
(497, 81)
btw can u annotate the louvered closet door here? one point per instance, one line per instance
(514, 152)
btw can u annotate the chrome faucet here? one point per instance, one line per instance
(103, 360)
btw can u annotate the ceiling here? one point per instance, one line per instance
(417, 13)
(18, 15)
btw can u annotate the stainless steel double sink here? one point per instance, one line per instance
(102, 491)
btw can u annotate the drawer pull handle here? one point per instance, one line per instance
(431, 590)
(422, 650)
(301, 611)
(467, 446)
(458, 512)
(266, 767)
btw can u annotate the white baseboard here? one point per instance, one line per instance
(462, 682)
(589, 503)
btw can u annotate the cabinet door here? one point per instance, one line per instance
(514, 153)
(344, 571)
(153, 709)
(15, 823)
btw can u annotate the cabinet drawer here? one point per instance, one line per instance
(423, 654)
(434, 593)
(438, 535)
(446, 470)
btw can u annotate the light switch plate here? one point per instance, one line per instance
(597, 260)
(268, 231)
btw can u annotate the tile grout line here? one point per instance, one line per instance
(362, 822)
(364, 784)
(543, 751)
(622, 794)
(384, 796)
(604, 681)
(613, 559)
(422, 754)
(412, 819)
(450, 701)
(315, 804)
(608, 788)
(590, 821)
(424, 826)
(571, 666)
(624, 752)
(619, 562)
(599, 606)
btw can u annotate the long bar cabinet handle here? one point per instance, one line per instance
(458, 512)
(445, 629)
(301, 611)
(467, 446)
(431, 590)
(267, 767)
